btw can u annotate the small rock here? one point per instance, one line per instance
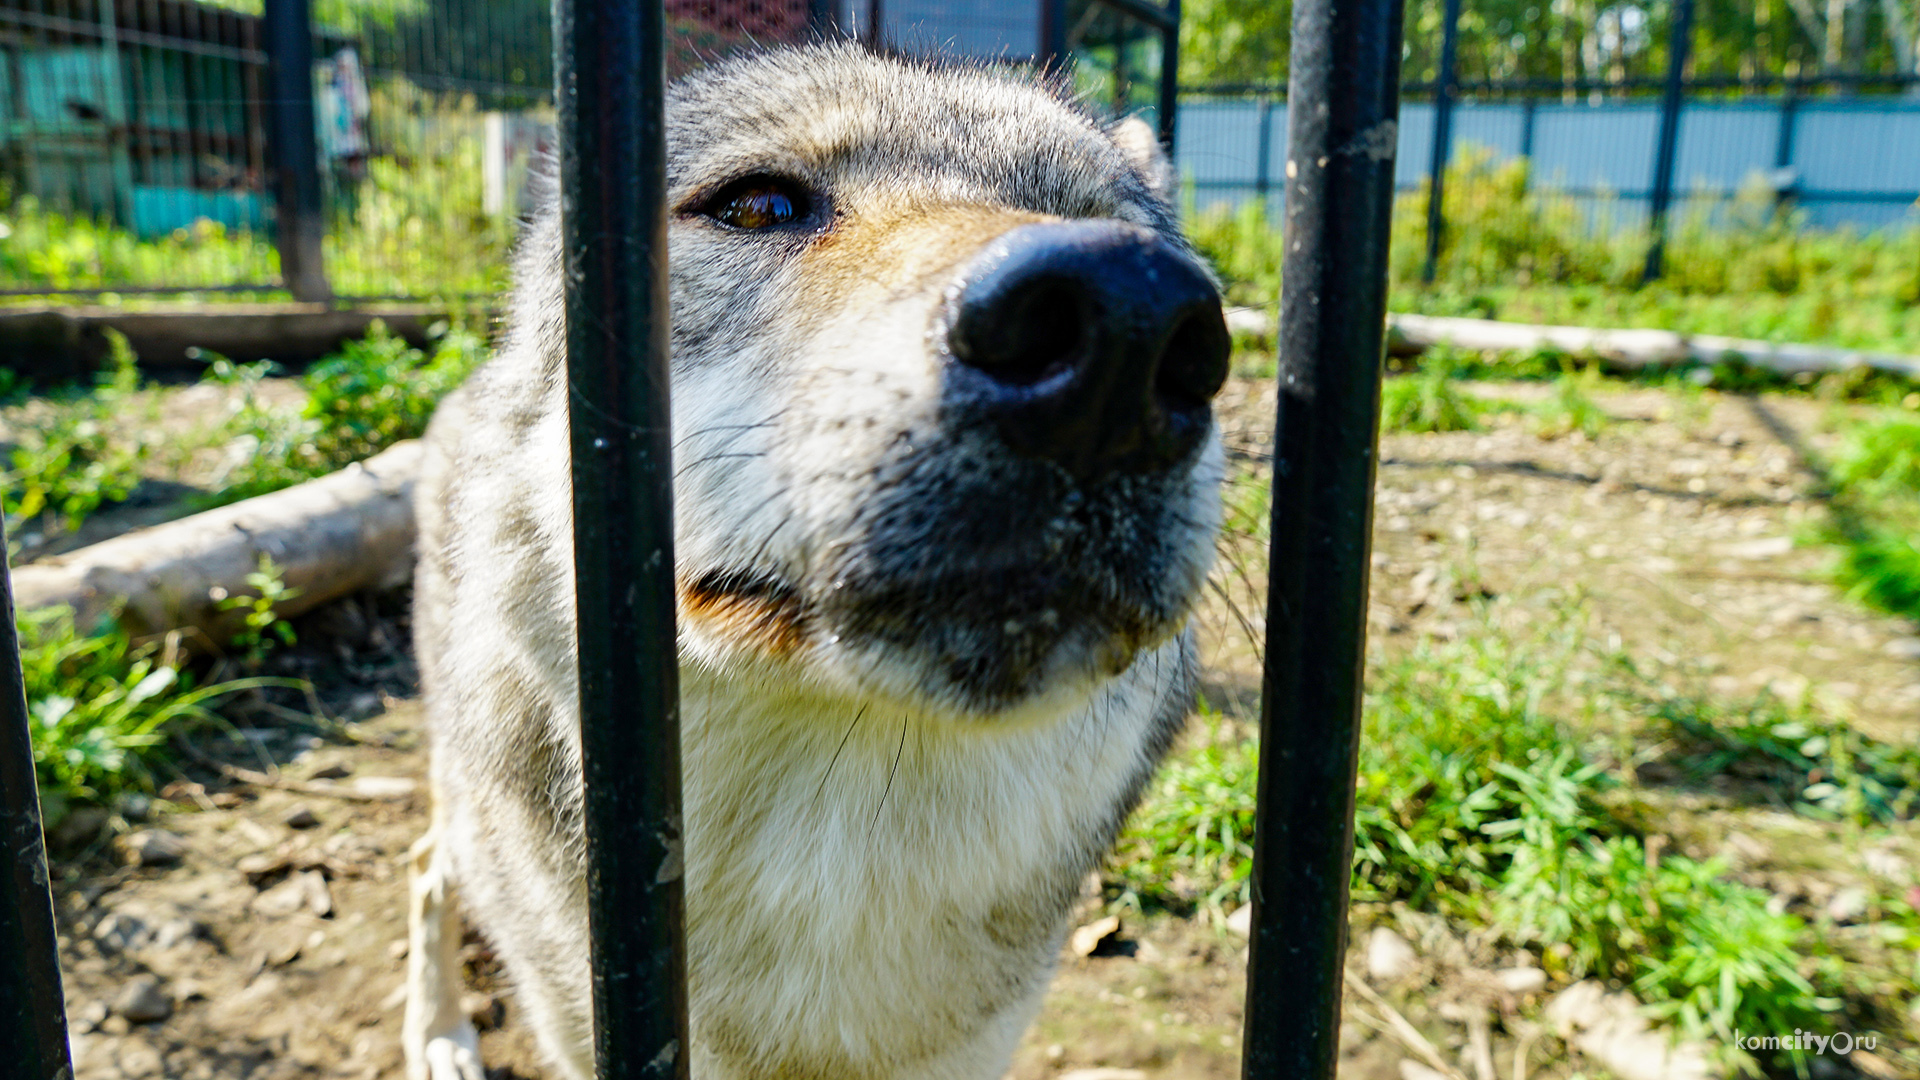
(1241, 921)
(152, 847)
(1905, 648)
(89, 1016)
(1389, 957)
(1771, 547)
(1521, 980)
(306, 889)
(134, 806)
(138, 1059)
(397, 948)
(118, 931)
(1849, 905)
(1055, 1052)
(143, 1001)
(300, 817)
(335, 771)
(175, 931)
(1088, 938)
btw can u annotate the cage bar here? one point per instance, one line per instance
(33, 1024)
(1442, 140)
(1672, 99)
(1343, 108)
(610, 89)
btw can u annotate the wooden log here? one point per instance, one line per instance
(344, 532)
(1639, 348)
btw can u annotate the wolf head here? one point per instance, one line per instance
(942, 366)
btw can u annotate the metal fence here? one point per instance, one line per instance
(172, 146)
(1840, 149)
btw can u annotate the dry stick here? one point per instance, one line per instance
(1480, 1046)
(1520, 1056)
(1404, 1030)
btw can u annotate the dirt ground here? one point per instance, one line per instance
(269, 941)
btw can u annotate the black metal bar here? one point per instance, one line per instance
(1342, 125)
(1783, 139)
(33, 1016)
(1052, 47)
(1677, 46)
(1442, 141)
(287, 33)
(610, 91)
(1263, 159)
(1166, 18)
(1529, 108)
(825, 17)
(1170, 75)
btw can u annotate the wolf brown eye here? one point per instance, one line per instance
(757, 202)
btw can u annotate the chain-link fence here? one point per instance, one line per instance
(141, 147)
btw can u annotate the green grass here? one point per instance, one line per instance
(1480, 799)
(1874, 512)
(102, 708)
(76, 455)
(1519, 254)
(70, 464)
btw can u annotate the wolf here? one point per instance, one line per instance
(946, 493)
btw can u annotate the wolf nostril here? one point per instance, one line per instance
(1032, 332)
(1193, 366)
(1095, 345)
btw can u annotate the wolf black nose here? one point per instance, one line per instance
(1093, 344)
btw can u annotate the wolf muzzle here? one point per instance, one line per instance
(1094, 345)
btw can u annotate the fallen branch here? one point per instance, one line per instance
(1637, 348)
(330, 537)
(1411, 335)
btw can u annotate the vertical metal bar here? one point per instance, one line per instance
(1529, 108)
(825, 18)
(1170, 76)
(1678, 43)
(875, 32)
(1783, 144)
(610, 90)
(33, 1020)
(1442, 142)
(1263, 158)
(287, 28)
(1343, 107)
(1052, 46)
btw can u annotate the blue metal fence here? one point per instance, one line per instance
(1845, 161)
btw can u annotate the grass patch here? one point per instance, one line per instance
(1524, 255)
(1480, 800)
(102, 708)
(1874, 513)
(69, 464)
(76, 454)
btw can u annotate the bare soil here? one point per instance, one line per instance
(278, 943)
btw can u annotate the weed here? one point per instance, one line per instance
(262, 625)
(1476, 801)
(69, 464)
(1570, 408)
(1430, 399)
(101, 707)
(1825, 768)
(1874, 513)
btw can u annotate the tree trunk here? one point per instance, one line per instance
(339, 534)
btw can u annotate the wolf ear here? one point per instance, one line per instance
(1142, 146)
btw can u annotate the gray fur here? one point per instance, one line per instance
(923, 681)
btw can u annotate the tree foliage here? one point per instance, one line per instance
(1240, 41)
